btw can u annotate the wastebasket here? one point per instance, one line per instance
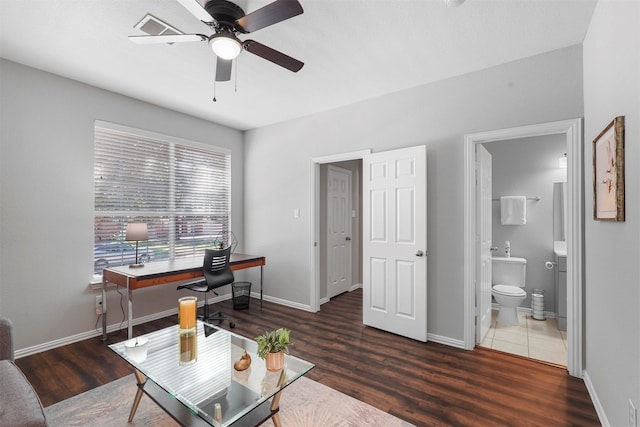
(537, 304)
(241, 294)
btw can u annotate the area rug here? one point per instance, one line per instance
(305, 403)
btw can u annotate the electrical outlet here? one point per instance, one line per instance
(633, 415)
(98, 304)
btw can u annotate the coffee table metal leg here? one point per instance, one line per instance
(136, 401)
(275, 402)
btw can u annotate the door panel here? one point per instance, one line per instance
(339, 269)
(395, 241)
(483, 241)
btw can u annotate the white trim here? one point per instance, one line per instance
(160, 136)
(572, 129)
(28, 351)
(527, 310)
(355, 286)
(314, 225)
(354, 155)
(596, 401)
(445, 340)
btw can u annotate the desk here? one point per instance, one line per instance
(164, 272)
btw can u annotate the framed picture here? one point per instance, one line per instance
(608, 172)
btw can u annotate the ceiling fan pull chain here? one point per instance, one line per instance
(214, 81)
(235, 66)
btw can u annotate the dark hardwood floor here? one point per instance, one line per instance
(426, 384)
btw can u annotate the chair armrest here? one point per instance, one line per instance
(6, 339)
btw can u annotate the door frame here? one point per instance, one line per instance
(572, 130)
(314, 220)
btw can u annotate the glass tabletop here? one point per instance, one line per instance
(210, 386)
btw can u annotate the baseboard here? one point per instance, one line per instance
(547, 314)
(446, 341)
(120, 325)
(355, 286)
(286, 303)
(596, 401)
(28, 351)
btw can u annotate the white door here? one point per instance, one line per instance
(483, 241)
(394, 247)
(338, 231)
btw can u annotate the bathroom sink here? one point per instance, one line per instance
(560, 248)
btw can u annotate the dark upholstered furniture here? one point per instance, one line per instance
(19, 404)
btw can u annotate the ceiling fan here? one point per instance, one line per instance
(227, 19)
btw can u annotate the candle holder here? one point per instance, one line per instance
(187, 333)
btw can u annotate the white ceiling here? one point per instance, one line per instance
(352, 49)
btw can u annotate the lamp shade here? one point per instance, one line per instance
(136, 231)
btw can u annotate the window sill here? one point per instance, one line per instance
(95, 284)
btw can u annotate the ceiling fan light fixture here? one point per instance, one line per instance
(225, 46)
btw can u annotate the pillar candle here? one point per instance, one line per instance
(187, 312)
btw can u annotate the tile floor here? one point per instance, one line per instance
(537, 339)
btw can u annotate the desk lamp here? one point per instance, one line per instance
(136, 231)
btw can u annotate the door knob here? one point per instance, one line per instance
(348, 238)
(419, 253)
(494, 248)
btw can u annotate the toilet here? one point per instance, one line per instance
(508, 279)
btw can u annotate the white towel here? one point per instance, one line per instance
(513, 210)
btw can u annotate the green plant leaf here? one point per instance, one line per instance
(273, 341)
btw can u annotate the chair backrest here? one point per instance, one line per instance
(216, 268)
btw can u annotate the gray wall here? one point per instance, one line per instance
(612, 249)
(528, 167)
(539, 89)
(46, 204)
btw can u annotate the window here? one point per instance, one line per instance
(180, 189)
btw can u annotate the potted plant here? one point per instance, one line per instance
(272, 345)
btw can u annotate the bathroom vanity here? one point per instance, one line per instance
(560, 255)
(560, 252)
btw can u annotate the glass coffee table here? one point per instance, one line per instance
(209, 391)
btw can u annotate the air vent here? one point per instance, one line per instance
(155, 27)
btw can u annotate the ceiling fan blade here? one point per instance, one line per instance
(197, 10)
(270, 14)
(169, 38)
(273, 55)
(223, 70)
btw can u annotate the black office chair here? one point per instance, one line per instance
(217, 272)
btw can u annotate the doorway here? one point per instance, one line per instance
(319, 291)
(572, 132)
(529, 167)
(394, 238)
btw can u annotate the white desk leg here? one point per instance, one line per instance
(130, 314)
(104, 308)
(261, 278)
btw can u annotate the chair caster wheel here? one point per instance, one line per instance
(232, 325)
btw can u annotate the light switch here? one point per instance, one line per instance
(296, 212)
(353, 213)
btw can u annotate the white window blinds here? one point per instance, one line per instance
(181, 192)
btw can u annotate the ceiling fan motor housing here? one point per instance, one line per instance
(225, 12)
